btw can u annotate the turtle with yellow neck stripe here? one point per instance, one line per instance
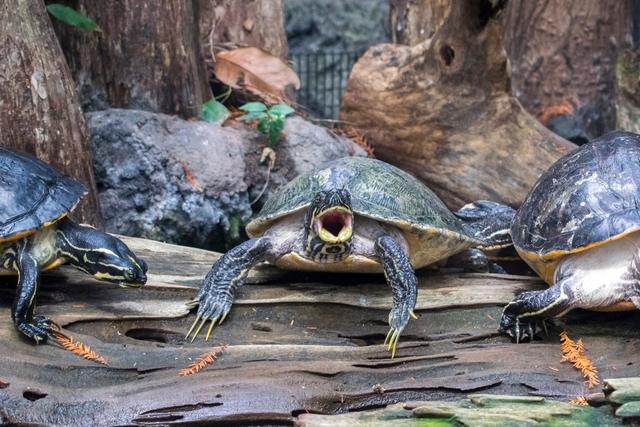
(36, 235)
(352, 215)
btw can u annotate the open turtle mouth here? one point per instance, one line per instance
(334, 226)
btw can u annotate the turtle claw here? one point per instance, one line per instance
(397, 326)
(391, 341)
(519, 330)
(38, 328)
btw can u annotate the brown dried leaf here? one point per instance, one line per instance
(4, 384)
(257, 71)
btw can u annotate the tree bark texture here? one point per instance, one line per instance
(414, 21)
(258, 23)
(563, 55)
(628, 90)
(444, 111)
(298, 343)
(146, 57)
(41, 114)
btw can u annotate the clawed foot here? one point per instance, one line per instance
(519, 328)
(398, 319)
(213, 308)
(37, 328)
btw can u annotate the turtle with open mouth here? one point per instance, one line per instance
(352, 215)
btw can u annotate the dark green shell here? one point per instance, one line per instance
(588, 197)
(378, 190)
(32, 194)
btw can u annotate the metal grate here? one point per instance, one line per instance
(323, 79)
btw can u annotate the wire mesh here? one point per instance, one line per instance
(323, 80)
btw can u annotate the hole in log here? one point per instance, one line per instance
(147, 334)
(33, 395)
(485, 13)
(447, 54)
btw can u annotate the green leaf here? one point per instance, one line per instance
(253, 116)
(264, 125)
(253, 107)
(214, 112)
(71, 17)
(276, 128)
(280, 111)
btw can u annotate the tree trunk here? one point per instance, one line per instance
(563, 55)
(146, 57)
(258, 23)
(40, 110)
(444, 111)
(413, 22)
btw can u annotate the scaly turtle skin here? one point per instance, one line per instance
(36, 235)
(578, 229)
(349, 215)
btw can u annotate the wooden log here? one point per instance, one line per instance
(444, 111)
(147, 57)
(297, 342)
(478, 409)
(41, 113)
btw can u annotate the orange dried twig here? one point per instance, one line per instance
(574, 353)
(357, 138)
(77, 347)
(189, 176)
(203, 361)
(566, 107)
(580, 400)
(4, 384)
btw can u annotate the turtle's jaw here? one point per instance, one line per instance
(334, 226)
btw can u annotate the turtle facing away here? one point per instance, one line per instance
(578, 229)
(36, 235)
(349, 215)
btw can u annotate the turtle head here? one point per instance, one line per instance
(329, 225)
(115, 262)
(103, 256)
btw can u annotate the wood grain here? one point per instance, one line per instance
(297, 343)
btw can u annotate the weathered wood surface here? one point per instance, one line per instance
(444, 111)
(301, 342)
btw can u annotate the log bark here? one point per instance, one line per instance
(146, 57)
(563, 55)
(444, 111)
(298, 342)
(41, 114)
(628, 90)
(413, 22)
(258, 23)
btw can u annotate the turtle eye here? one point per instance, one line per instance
(129, 274)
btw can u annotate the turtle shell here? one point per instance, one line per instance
(588, 197)
(381, 192)
(32, 194)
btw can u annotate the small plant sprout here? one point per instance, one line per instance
(271, 122)
(214, 110)
(70, 17)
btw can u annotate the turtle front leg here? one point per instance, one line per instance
(404, 284)
(227, 274)
(36, 327)
(521, 316)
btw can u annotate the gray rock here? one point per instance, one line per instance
(191, 183)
